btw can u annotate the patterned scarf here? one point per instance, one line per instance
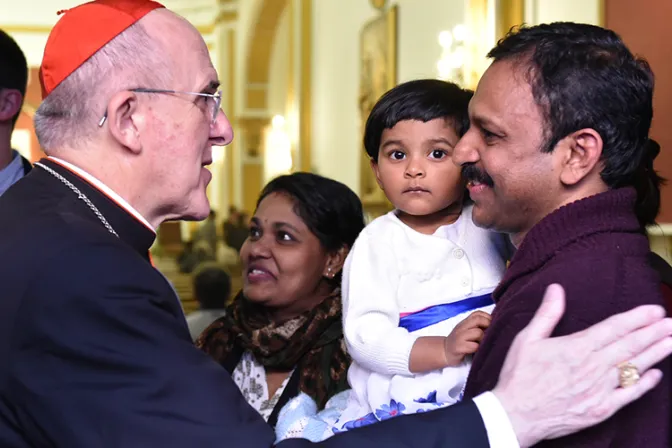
(312, 343)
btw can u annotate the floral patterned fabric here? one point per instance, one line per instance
(311, 342)
(386, 396)
(250, 377)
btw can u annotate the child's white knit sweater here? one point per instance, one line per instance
(392, 274)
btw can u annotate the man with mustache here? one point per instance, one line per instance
(558, 156)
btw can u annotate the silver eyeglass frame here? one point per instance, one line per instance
(216, 96)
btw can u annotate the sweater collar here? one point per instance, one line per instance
(611, 211)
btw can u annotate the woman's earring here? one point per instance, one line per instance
(329, 274)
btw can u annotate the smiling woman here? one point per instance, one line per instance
(283, 334)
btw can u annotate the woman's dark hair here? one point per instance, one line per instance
(648, 182)
(423, 100)
(330, 209)
(583, 76)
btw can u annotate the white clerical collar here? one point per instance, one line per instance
(104, 189)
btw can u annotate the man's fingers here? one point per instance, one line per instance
(548, 315)
(624, 396)
(645, 360)
(651, 343)
(653, 355)
(620, 325)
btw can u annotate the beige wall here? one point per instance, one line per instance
(546, 11)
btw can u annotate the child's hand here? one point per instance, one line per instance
(465, 337)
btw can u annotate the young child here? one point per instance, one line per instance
(417, 282)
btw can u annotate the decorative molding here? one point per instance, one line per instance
(259, 56)
(253, 178)
(232, 159)
(602, 13)
(28, 109)
(290, 101)
(190, 9)
(378, 4)
(27, 29)
(223, 18)
(480, 44)
(250, 113)
(378, 43)
(255, 118)
(206, 29)
(253, 135)
(252, 160)
(226, 16)
(256, 98)
(305, 99)
(509, 13)
(261, 43)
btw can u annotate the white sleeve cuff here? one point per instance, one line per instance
(497, 424)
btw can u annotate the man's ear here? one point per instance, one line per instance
(376, 171)
(10, 104)
(579, 153)
(124, 120)
(335, 262)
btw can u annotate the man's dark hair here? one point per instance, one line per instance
(583, 76)
(330, 209)
(423, 100)
(212, 286)
(13, 67)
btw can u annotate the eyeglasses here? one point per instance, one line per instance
(217, 97)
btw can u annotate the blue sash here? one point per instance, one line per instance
(439, 313)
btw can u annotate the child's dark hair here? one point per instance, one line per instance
(423, 100)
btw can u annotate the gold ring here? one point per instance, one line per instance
(628, 375)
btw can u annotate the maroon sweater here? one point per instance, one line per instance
(595, 250)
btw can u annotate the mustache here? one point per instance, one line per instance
(471, 173)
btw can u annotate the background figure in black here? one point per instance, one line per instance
(212, 288)
(235, 228)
